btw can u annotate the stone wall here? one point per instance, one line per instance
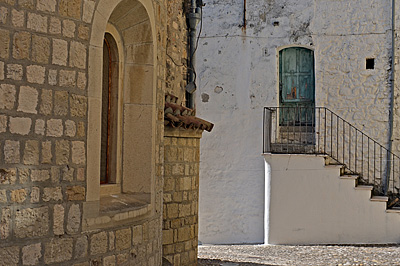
(44, 48)
(181, 193)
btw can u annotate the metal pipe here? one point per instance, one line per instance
(391, 107)
(194, 19)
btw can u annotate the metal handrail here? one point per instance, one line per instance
(318, 130)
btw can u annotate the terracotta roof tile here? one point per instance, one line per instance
(180, 116)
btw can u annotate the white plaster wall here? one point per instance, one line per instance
(333, 212)
(237, 77)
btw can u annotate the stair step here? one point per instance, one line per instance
(354, 177)
(339, 166)
(393, 210)
(364, 188)
(379, 198)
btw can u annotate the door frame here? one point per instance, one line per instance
(278, 49)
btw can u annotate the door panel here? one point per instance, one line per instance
(296, 79)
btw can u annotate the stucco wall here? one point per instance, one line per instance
(335, 211)
(238, 75)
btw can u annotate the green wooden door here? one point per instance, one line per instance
(296, 86)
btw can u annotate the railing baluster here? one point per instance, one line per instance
(337, 137)
(325, 134)
(349, 145)
(355, 153)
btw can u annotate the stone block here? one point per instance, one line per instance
(67, 78)
(31, 152)
(62, 152)
(3, 123)
(3, 15)
(9, 256)
(46, 103)
(77, 55)
(23, 175)
(27, 100)
(40, 49)
(3, 196)
(111, 240)
(11, 151)
(55, 174)
(47, 154)
(109, 261)
(82, 81)
(29, 4)
(21, 45)
(83, 32)
(39, 127)
(5, 223)
(31, 222)
(80, 174)
(168, 236)
(40, 175)
(88, 9)
(74, 219)
(78, 106)
(35, 74)
(52, 194)
(60, 52)
(58, 250)
(81, 247)
(15, 71)
(31, 254)
(7, 96)
(68, 28)
(70, 8)
(35, 195)
(46, 5)
(122, 259)
(58, 219)
(70, 128)
(1, 70)
(78, 152)
(76, 193)
(172, 210)
(37, 22)
(68, 174)
(98, 243)
(52, 77)
(55, 128)
(4, 43)
(81, 131)
(123, 239)
(61, 103)
(55, 26)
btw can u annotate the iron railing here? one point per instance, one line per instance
(318, 130)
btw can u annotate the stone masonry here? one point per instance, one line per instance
(44, 48)
(181, 193)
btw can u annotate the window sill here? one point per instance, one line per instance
(115, 209)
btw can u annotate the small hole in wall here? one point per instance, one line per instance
(276, 23)
(370, 63)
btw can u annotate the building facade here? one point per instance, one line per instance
(250, 54)
(82, 131)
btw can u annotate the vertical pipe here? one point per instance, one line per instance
(392, 79)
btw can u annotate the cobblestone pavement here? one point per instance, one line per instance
(254, 255)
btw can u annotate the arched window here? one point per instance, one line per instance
(109, 111)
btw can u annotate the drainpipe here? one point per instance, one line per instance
(391, 110)
(194, 19)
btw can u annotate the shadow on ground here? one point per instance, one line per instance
(207, 262)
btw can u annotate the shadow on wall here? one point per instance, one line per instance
(206, 262)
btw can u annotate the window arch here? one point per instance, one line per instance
(109, 111)
(123, 31)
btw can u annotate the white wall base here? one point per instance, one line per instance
(308, 203)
